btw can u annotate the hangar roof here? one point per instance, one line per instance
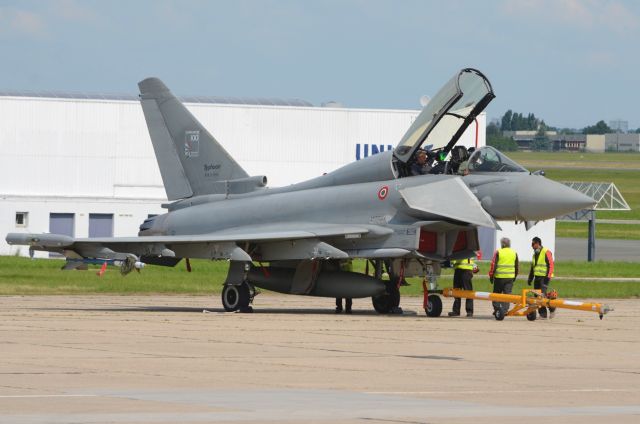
(187, 99)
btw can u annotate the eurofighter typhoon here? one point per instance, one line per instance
(298, 239)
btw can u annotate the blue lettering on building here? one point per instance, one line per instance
(362, 150)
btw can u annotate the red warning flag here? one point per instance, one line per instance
(103, 268)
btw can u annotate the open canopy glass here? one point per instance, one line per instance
(444, 119)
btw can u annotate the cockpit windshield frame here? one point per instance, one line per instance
(470, 90)
(488, 159)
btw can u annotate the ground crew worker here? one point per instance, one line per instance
(347, 305)
(462, 277)
(345, 266)
(503, 272)
(541, 272)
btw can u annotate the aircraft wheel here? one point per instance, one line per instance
(387, 302)
(531, 316)
(382, 303)
(235, 297)
(499, 314)
(434, 306)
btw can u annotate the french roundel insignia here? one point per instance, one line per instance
(382, 193)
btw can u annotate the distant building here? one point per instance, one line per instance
(570, 142)
(619, 126)
(595, 143)
(619, 142)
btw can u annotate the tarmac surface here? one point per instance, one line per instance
(161, 359)
(575, 249)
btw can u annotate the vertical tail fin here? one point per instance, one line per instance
(190, 159)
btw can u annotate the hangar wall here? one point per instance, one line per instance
(85, 156)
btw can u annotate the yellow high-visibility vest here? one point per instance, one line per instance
(466, 264)
(540, 268)
(506, 266)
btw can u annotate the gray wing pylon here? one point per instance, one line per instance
(450, 199)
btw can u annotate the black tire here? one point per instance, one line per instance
(235, 297)
(383, 304)
(499, 314)
(434, 306)
(387, 302)
(531, 316)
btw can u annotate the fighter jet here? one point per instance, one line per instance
(297, 239)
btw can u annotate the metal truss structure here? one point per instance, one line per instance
(608, 198)
(606, 194)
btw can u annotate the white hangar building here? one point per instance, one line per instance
(83, 165)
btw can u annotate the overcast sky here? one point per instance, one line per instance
(570, 62)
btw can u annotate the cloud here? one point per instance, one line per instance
(612, 15)
(15, 21)
(71, 10)
(620, 18)
(37, 22)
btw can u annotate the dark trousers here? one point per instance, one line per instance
(538, 283)
(502, 285)
(462, 280)
(347, 303)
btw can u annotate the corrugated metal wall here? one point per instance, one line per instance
(71, 147)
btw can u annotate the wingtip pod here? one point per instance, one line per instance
(152, 85)
(42, 240)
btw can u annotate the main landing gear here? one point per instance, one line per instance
(389, 302)
(238, 297)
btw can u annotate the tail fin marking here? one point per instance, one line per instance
(190, 158)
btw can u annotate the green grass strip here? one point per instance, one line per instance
(23, 276)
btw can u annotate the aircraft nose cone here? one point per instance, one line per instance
(540, 198)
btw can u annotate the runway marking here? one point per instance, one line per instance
(471, 392)
(44, 396)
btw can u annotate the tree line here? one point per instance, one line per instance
(514, 121)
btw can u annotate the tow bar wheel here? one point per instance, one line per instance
(434, 306)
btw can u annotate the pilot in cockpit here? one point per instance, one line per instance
(420, 166)
(463, 168)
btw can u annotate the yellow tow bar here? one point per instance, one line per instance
(528, 303)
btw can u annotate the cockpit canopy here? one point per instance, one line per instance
(444, 119)
(488, 159)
